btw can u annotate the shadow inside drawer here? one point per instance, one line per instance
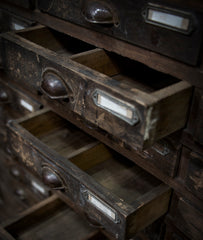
(116, 173)
(55, 41)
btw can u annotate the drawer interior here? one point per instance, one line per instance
(114, 172)
(51, 219)
(125, 72)
(55, 41)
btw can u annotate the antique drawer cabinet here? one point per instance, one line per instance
(101, 101)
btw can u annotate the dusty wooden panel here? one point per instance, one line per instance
(191, 171)
(109, 189)
(187, 217)
(142, 107)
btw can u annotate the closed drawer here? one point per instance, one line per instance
(187, 217)
(109, 189)
(191, 172)
(143, 23)
(14, 102)
(111, 92)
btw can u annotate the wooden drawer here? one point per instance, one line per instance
(15, 102)
(109, 189)
(139, 22)
(187, 217)
(50, 219)
(111, 92)
(191, 172)
(19, 189)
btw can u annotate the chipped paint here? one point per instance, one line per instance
(150, 123)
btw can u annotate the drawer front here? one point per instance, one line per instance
(191, 172)
(187, 218)
(127, 108)
(81, 179)
(144, 26)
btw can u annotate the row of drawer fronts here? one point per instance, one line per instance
(20, 102)
(94, 199)
(115, 18)
(163, 153)
(120, 106)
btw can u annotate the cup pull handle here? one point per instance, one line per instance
(99, 13)
(53, 86)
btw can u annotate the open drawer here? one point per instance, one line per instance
(50, 219)
(132, 102)
(109, 189)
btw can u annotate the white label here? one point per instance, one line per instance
(101, 206)
(168, 19)
(38, 187)
(16, 26)
(114, 106)
(26, 105)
